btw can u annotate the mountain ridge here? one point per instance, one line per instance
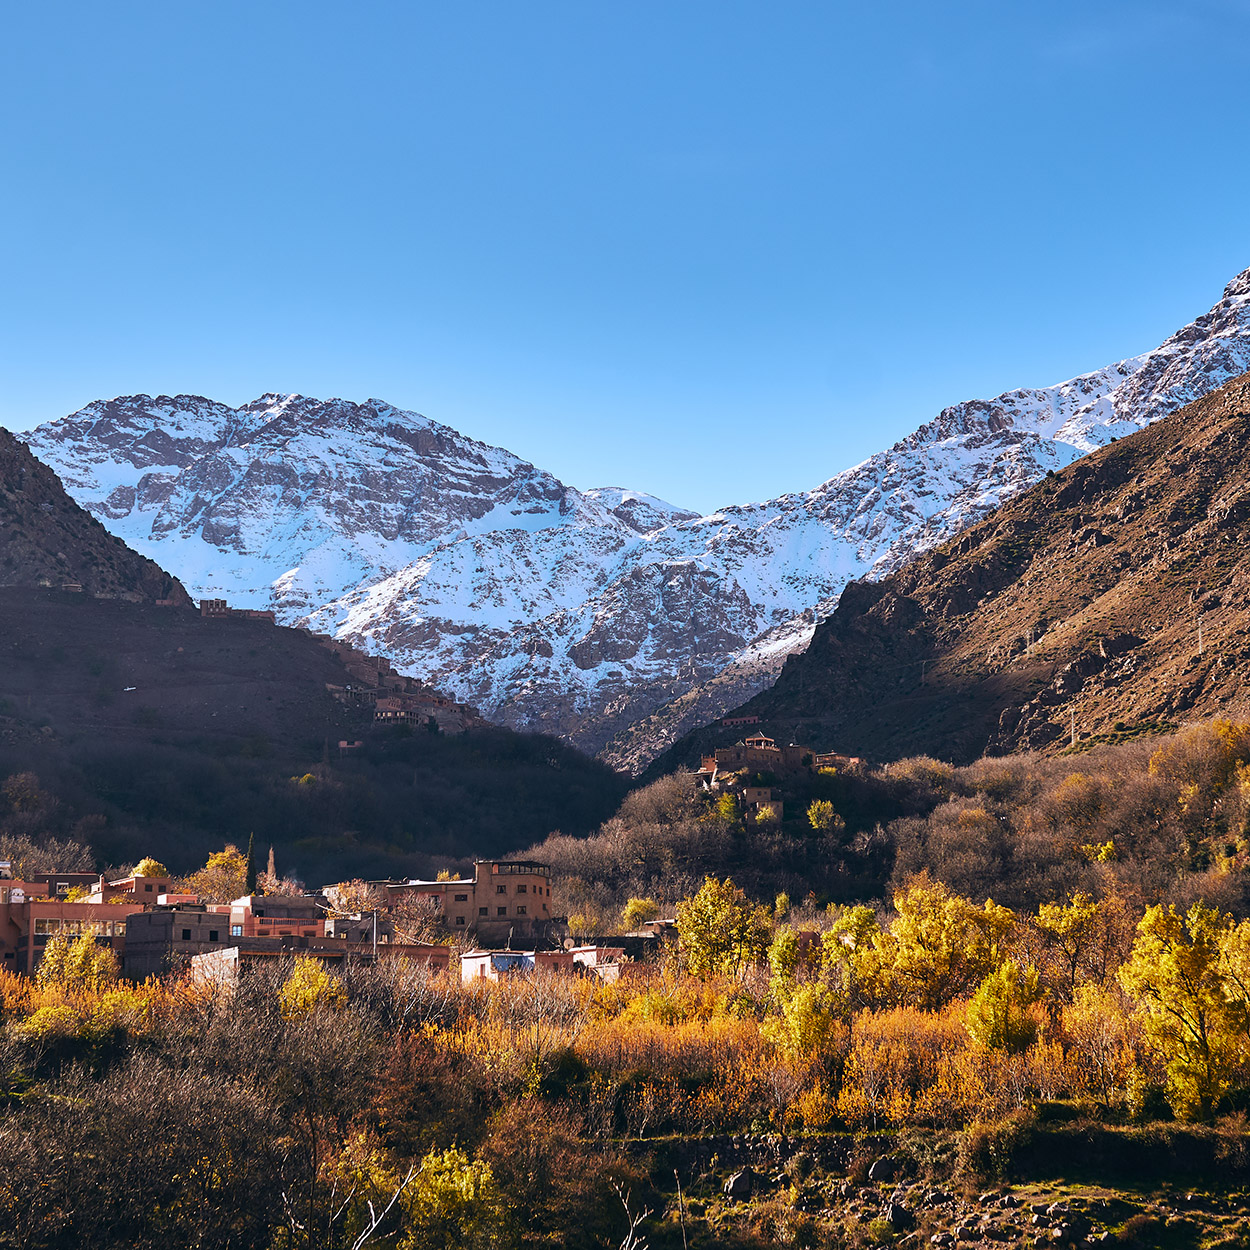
(1112, 599)
(604, 616)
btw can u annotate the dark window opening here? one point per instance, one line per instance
(186, 935)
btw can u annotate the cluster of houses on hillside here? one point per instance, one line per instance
(737, 769)
(154, 929)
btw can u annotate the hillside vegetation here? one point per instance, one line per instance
(1161, 817)
(787, 1074)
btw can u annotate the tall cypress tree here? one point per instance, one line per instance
(251, 864)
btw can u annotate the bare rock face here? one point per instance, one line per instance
(607, 616)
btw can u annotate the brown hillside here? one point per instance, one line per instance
(47, 539)
(1080, 601)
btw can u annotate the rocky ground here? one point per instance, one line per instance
(868, 1193)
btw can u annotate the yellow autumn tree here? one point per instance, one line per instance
(223, 878)
(1185, 973)
(455, 1201)
(998, 1015)
(638, 911)
(939, 945)
(721, 930)
(77, 963)
(308, 988)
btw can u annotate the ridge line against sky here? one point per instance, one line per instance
(716, 251)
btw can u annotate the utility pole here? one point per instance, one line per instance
(1073, 726)
(375, 935)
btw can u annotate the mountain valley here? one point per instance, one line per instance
(606, 617)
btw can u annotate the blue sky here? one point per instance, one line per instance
(715, 250)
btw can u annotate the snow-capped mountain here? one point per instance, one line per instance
(607, 616)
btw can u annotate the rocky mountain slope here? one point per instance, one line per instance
(47, 540)
(1111, 600)
(605, 616)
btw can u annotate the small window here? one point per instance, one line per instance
(148, 888)
(460, 920)
(236, 930)
(462, 898)
(521, 889)
(501, 889)
(483, 911)
(520, 911)
(212, 935)
(62, 887)
(503, 911)
(260, 911)
(186, 935)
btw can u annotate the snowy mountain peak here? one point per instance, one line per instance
(608, 615)
(643, 513)
(1239, 287)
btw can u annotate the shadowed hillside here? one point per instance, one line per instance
(47, 539)
(1076, 605)
(153, 730)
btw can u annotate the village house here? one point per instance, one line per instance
(504, 901)
(61, 883)
(219, 609)
(224, 966)
(144, 889)
(167, 936)
(756, 798)
(728, 767)
(835, 760)
(173, 934)
(762, 754)
(493, 965)
(30, 916)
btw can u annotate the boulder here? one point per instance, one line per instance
(884, 1169)
(741, 1185)
(898, 1216)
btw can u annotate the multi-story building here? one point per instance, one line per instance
(143, 889)
(504, 899)
(30, 916)
(166, 937)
